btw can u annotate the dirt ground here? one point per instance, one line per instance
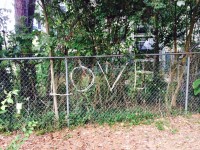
(174, 133)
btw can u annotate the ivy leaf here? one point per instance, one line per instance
(3, 111)
(3, 102)
(9, 95)
(10, 100)
(24, 129)
(3, 107)
(196, 91)
(5, 92)
(196, 84)
(15, 92)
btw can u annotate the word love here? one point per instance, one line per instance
(93, 77)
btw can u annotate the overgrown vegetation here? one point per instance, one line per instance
(196, 86)
(88, 28)
(27, 128)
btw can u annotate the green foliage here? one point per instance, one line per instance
(196, 87)
(133, 117)
(165, 125)
(8, 100)
(27, 128)
(160, 125)
(19, 140)
(3, 18)
(85, 28)
(100, 27)
(47, 123)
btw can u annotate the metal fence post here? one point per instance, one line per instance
(67, 89)
(187, 84)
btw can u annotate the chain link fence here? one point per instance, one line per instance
(97, 89)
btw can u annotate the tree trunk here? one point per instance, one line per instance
(175, 30)
(156, 77)
(53, 83)
(192, 23)
(28, 81)
(24, 11)
(187, 46)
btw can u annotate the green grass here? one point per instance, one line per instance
(79, 117)
(110, 117)
(165, 125)
(174, 131)
(160, 125)
(68, 136)
(47, 123)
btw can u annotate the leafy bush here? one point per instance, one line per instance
(111, 116)
(26, 128)
(196, 87)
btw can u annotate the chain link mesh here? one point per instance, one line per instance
(103, 90)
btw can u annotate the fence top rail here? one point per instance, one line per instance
(98, 56)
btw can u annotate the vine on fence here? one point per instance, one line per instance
(26, 128)
(8, 101)
(196, 87)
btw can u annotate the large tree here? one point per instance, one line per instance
(24, 14)
(95, 27)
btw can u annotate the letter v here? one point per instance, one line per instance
(118, 77)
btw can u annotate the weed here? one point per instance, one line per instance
(111, 117)
(148, 121)
(19, 140)
(188, 115)
(174, 131)
(68, 136)
(27, 128)
(40, 132)
(161, 125)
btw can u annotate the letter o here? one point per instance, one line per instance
(89, 86)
